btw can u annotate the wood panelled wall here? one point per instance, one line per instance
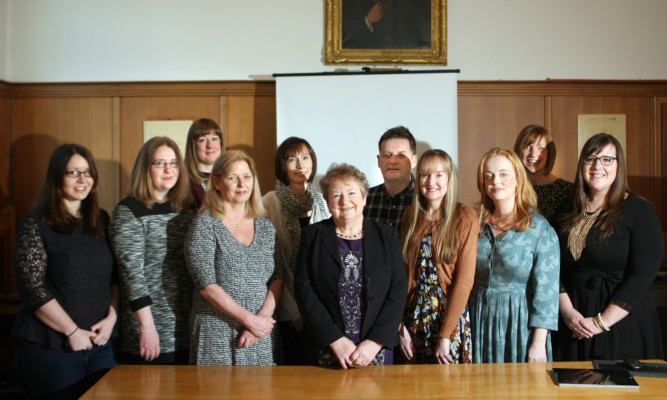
(108, 119)
(5, 138)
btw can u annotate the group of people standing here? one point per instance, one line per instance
(199, 268)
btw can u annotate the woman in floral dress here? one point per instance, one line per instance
(440, 248)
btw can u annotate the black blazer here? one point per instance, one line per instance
(318, 268)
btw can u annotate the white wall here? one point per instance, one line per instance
(162, 40)
(4, 27)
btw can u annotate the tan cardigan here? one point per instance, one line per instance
(456, 278)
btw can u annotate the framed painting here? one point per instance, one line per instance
(386, 32)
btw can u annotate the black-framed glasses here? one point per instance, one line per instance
(604, 160)
(75, 173)
(163, 164)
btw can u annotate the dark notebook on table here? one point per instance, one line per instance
(616, 378)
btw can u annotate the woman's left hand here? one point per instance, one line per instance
(443, 351)
(537, 353)
(586, 329)
(365, 353)
(103, 330)
(248, 339)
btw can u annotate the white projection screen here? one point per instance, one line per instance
(343, 115)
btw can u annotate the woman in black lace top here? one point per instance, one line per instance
(65, 275)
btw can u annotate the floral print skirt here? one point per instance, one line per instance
(424, 316)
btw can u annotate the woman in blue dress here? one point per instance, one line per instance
(514, 302)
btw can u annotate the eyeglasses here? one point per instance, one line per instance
(75, 173)
(163, 164)
(604, 160)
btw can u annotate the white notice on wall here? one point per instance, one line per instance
(175, 130)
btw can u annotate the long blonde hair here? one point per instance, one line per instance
(221, 168)
(525, 197)
(446, 247)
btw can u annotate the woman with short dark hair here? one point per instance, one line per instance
(294, 204)
(148, 228)
(66, 278)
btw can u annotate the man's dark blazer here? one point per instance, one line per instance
(318, 268)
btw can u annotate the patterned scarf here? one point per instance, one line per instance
(294, 206)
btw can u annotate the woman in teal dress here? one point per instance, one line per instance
(514, 301)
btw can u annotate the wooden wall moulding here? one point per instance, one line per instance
(5, 89)
(144, 89)
(562, 88)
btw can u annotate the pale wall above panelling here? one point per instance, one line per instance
(175, 40)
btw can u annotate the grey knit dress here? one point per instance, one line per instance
(148, 245)
(214, 256)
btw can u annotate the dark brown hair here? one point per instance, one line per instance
(199, 128)
(614, 202)
(399, 132)
(50, 205)
(290, 146)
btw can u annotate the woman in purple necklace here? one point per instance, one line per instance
(350, 281)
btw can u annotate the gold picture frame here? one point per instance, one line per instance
(347, 29)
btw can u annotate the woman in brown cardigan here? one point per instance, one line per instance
(440, 248)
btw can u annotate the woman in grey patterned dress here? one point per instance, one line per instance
(230, 253)
(147, 232)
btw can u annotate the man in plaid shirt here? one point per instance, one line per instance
(386, 202)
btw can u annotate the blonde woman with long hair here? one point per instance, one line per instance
(514, 302)
(439, 241)
(231, 255)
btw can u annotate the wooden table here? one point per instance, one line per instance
(375, 382)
